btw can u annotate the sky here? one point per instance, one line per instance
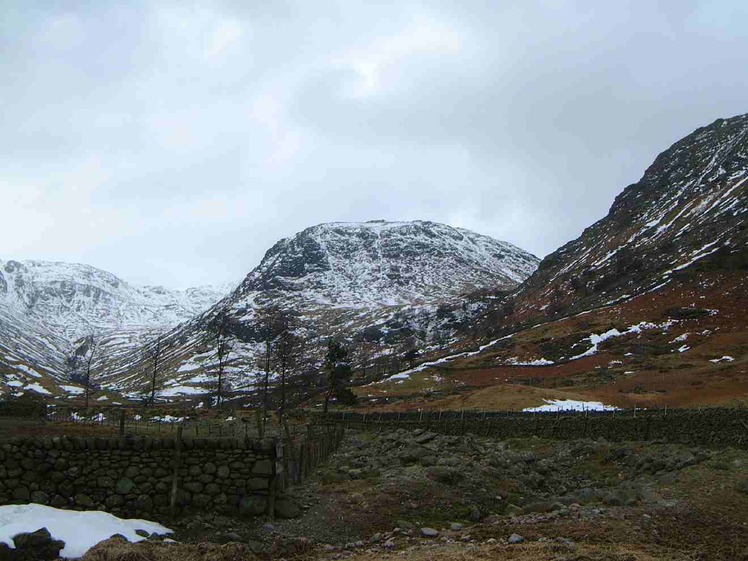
(173, 143)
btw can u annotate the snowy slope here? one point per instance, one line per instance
(690, 205)
(45, 307)
(386, 263)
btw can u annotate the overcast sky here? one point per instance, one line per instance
(173, 143)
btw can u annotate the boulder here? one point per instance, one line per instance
(429, 533)
(36, 546)
(125, 486)
(286, 509)
(252, 506)
(515, 539)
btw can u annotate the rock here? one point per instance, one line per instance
(112, 501)
(513, 510)
(125, 486)
(83, 500)
(233, 537)
(144, 503)
(429, 533)
(444, 474)
(286, 509)
(456, 527)
(39, 497)
(194, 486)
(58, 501)
(428, 461)
(36, 546)
(412, 454)
(143, 533)
(252, 506)
(390, 544)
(262, 467)
(106, 482)
(515, 539)
(426, 437)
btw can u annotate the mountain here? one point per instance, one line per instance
(45, 307)
(386, 263)
(378, 284)
(689, 205)
(647, 307)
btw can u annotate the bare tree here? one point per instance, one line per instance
(282, 348)
(362, 356)
(154, 351)
(287, 352)
(270, 323)
(220, 329)
(91, 348)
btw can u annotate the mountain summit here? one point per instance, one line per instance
(382, 263)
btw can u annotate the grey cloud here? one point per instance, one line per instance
(174, 143)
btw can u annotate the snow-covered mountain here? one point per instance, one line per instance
(45, 307)
(77, 300)
(382, 263)
(378, 283)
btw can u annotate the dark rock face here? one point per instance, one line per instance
(689, 207)
(387, 262)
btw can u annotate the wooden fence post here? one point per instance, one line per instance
(177, 464)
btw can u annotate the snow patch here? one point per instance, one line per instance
(79, 530)
(570, 405)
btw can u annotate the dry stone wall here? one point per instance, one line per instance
(706, 427)
(135, 477)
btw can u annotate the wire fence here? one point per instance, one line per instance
(707, 426)
(128, 422)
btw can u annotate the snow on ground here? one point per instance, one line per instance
(514, 361)
(79, 530)
(723, 359)
(168, 419)
(28, 370)
(181, 390)
(570, 405)
(75, 390)
(37, 388)
(596, 339)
